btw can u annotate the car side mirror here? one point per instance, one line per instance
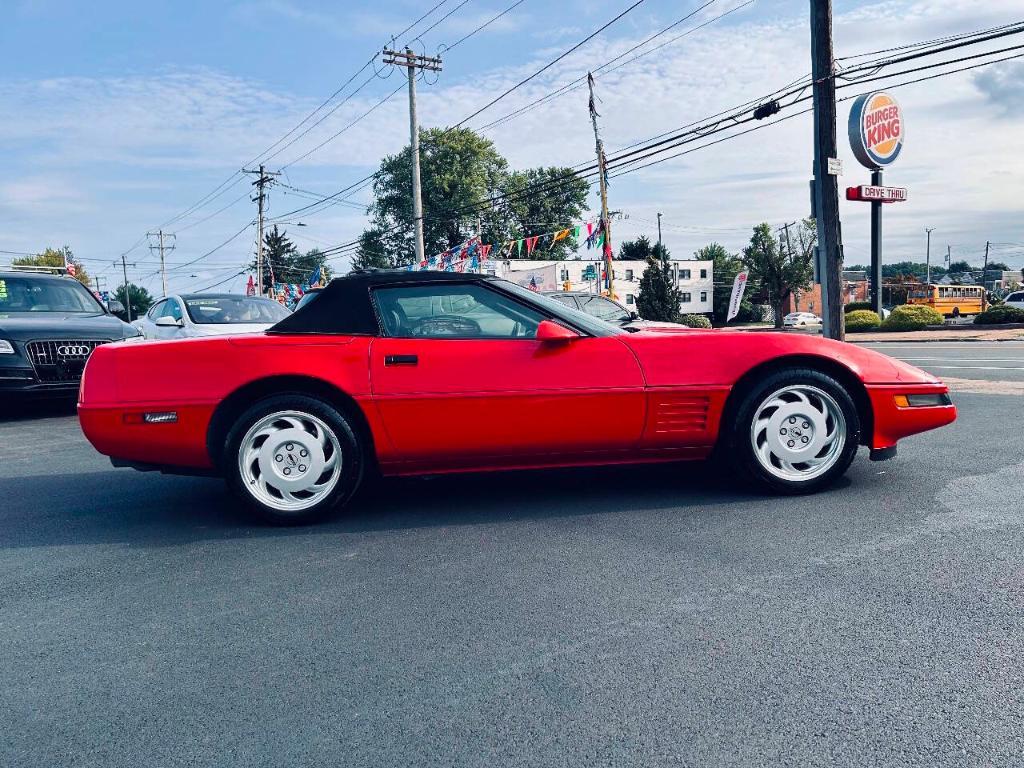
(115, 307)
(550, 331)
(168, 322)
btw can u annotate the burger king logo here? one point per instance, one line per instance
(876, 129)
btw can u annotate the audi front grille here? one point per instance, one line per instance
(60, 361)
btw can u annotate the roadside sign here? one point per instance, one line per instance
(835, 166)
(873, 194)
(876, 129)
(738, 286)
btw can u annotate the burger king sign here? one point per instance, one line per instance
(876, 129)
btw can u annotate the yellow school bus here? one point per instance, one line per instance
(950, 300)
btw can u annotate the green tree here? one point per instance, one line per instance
(778, 271)
(962, 266)
(998, 266)
(458, 170)
(642, 249)
(560, 199)
(135, 297)
(55, 257)
(659, 298)
(287, 264)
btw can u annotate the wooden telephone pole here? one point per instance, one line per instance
(263, 181)
(605, 220)
(826, 186)
(413, 62)
(162, 247)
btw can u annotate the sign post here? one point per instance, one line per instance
(876, 136)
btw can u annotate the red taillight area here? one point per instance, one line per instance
(900, 411)
(127, 434)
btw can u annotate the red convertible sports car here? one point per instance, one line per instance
(404, 373)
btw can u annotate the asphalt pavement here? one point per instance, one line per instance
(644, 617)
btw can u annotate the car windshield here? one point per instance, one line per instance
(33, 294)
(582, 320)
(224, 310)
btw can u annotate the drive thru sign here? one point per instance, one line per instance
(877, 194)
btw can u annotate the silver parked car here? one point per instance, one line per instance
(1015, 299)
(209, 314)
(609, 310)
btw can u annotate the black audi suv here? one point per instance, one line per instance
(49, 325)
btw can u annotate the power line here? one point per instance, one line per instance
(550, 64)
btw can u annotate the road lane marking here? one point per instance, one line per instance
(975, 368)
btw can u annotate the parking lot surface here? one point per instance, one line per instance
(648, 616)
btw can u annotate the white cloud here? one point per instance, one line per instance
(174, 136)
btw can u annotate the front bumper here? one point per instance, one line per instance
(23, 381)
(893, 421)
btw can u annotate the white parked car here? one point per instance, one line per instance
(209, 314)
(800, 320)
(1015, 299)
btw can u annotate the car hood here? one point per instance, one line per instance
(27, 326)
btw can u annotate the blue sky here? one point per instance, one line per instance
(116, 116)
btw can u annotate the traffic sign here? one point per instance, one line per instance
(872, 194)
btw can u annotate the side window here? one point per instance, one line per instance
(629, 275)
(460, 311)
(684, 274)
(603, 308)
(686, 298)
(703, 295)
(703, 274)
(566, 299)
(630, 298)
(157, 310)
(174, 309)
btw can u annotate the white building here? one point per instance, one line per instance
(693, 278)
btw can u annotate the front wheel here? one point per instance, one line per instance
(293, 459)
(796, 431)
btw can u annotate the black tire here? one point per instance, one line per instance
(740, 445)
(350, 454)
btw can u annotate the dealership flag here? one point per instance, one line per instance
(738, 286)
(250, 287)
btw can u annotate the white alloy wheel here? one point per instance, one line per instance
(289, 460)
(798, 433)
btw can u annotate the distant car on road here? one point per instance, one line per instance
(209, 314)
(1015, 300)
(49, 326)
(800, 320)
(608, 310)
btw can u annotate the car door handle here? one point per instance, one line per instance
(390, 360)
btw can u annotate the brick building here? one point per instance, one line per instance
(855, 288)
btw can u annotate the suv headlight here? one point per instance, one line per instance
(6, 348)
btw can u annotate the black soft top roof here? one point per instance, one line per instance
(343, 305)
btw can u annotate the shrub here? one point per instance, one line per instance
(862, 320)
(1000, 315)
(695, 321)
(856, 306)
(911, 317)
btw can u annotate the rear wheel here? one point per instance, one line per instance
(796, 431)
(293, 459)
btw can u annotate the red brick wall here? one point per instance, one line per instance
(810, 300)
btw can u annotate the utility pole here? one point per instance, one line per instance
(160, 234)
(928, 257)
(605, 220)
(661, 248)
(984, 274)
(949, 257)
(413, 62)
(826, 187)
(127, 298)
(263, 180)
